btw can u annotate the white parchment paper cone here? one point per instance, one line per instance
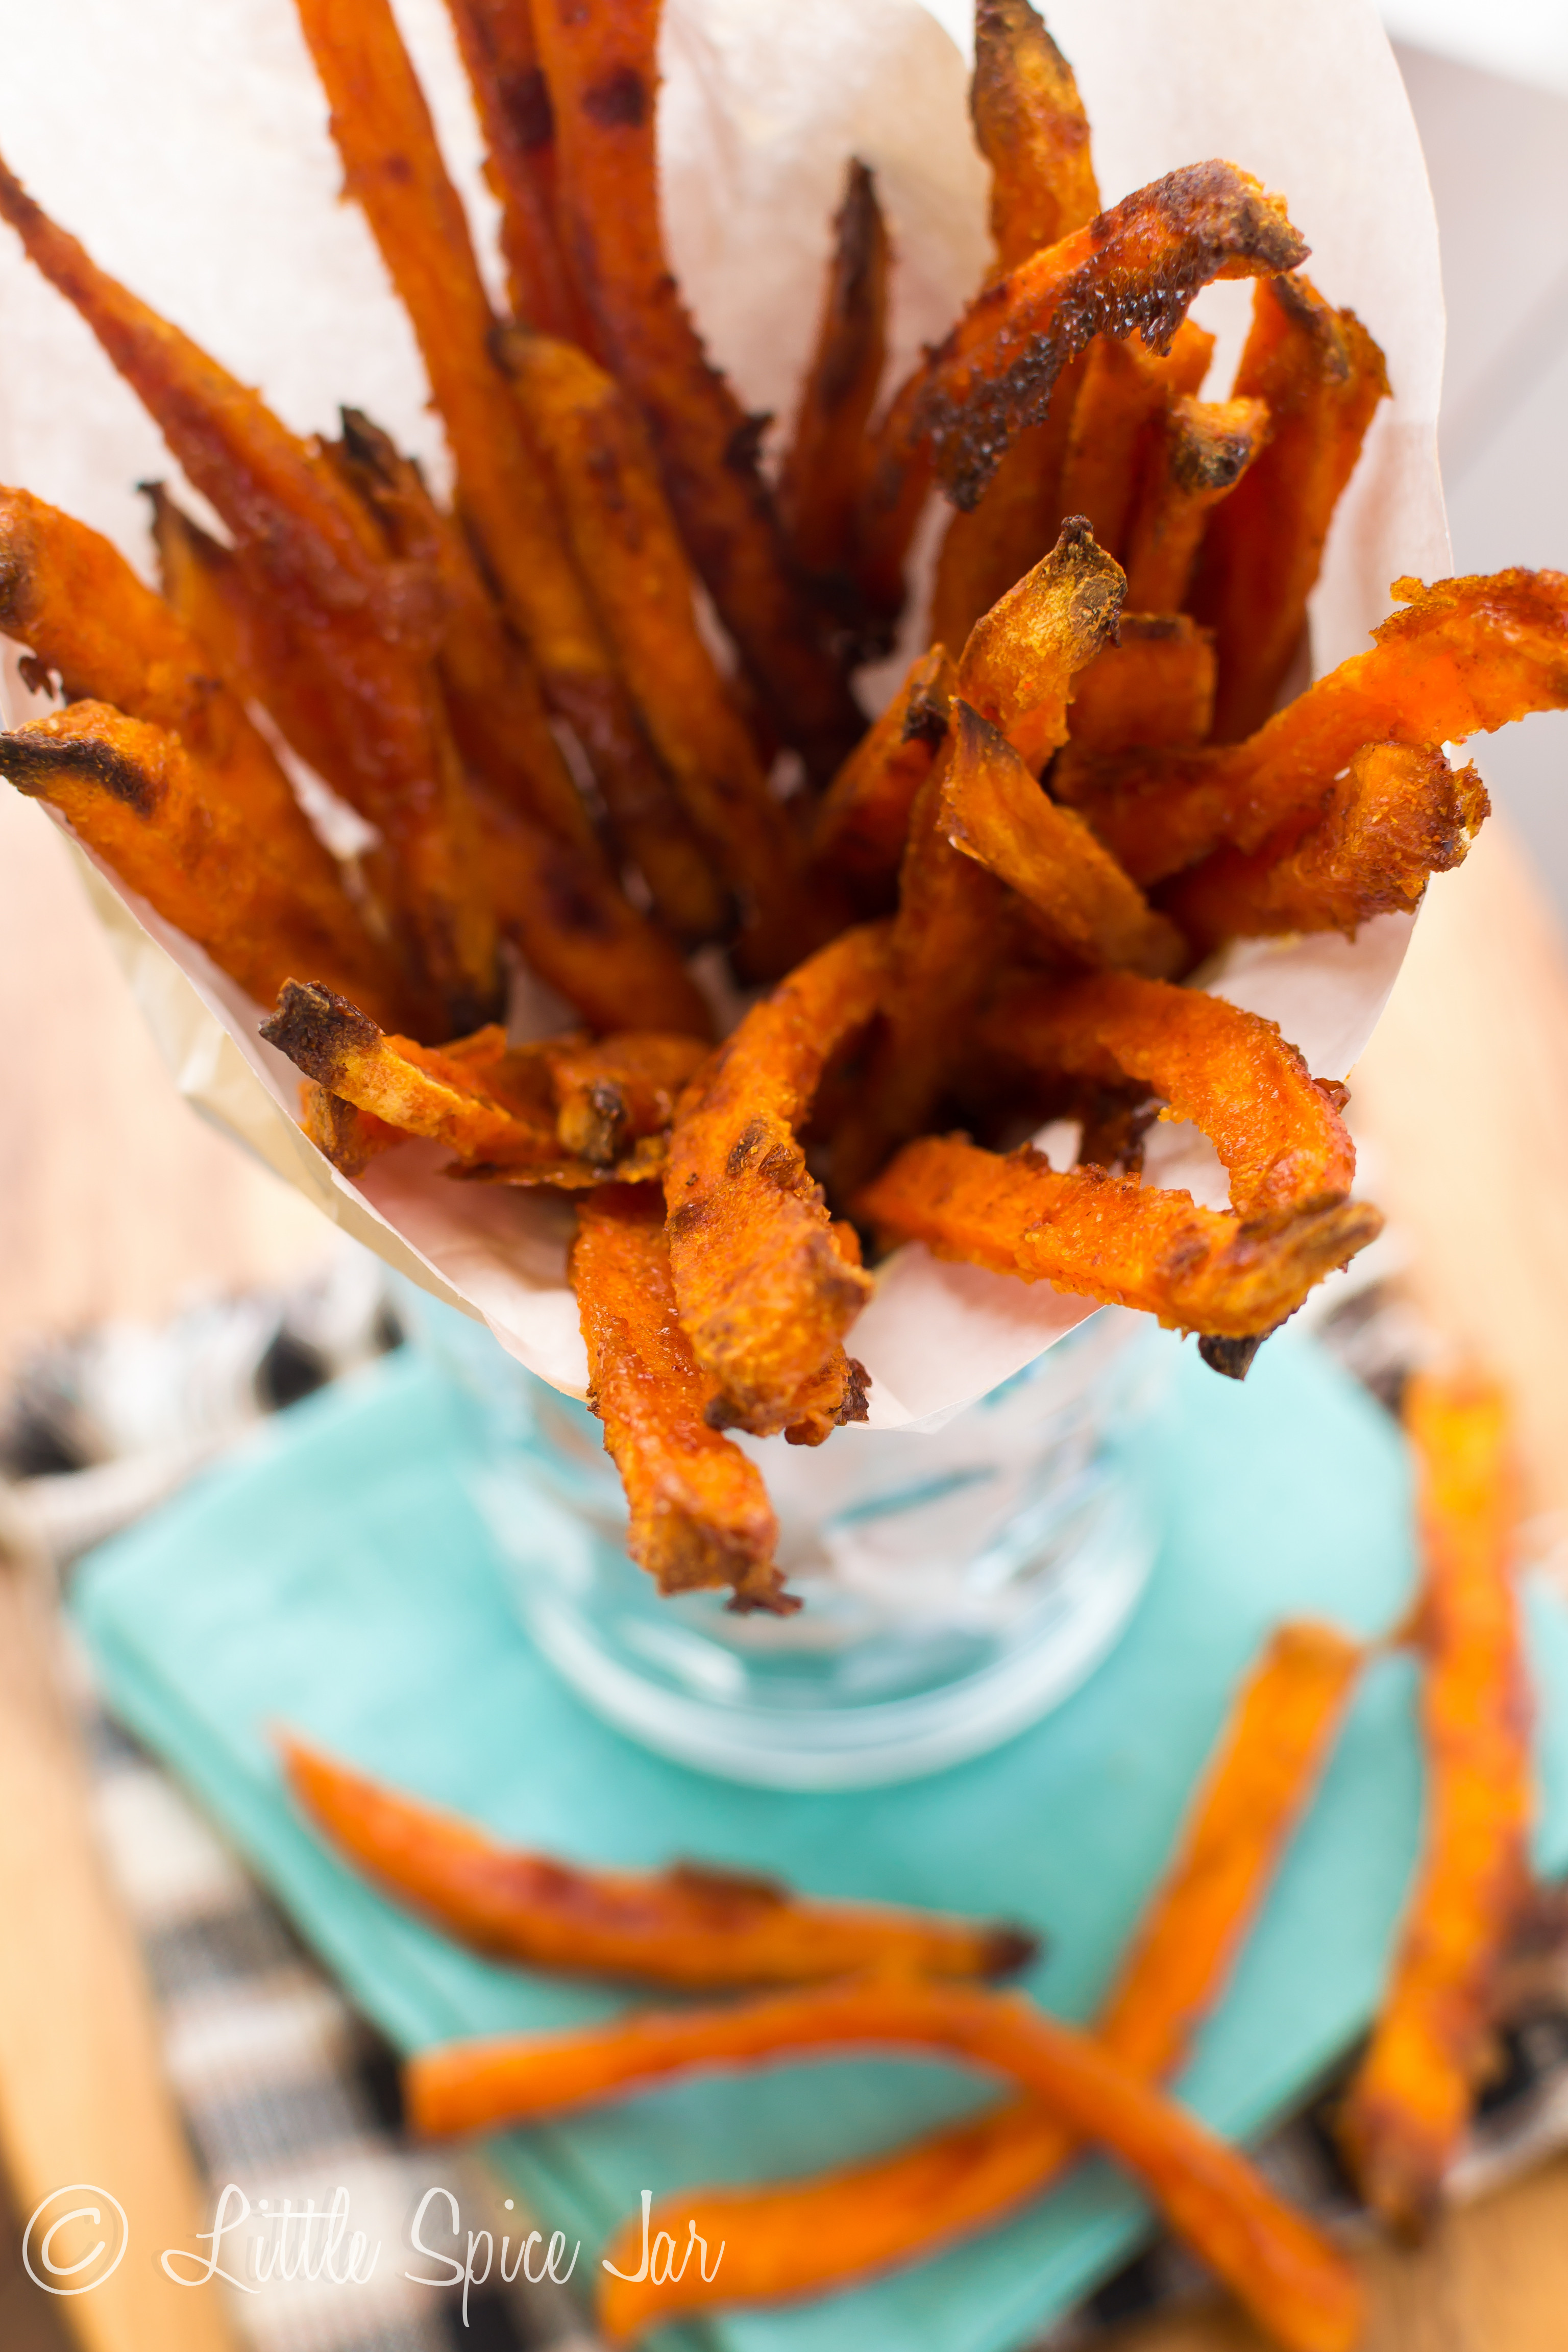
(189, 147)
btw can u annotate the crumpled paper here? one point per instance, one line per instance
(189, 147)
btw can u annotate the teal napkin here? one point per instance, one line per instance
(335, 1575)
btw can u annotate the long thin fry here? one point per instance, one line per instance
(1022, 657)
(863, 823)
(602, 68)
(1406, 2111)
(1117, 420)
(820, 473)
(1208, 449)
(986, 550)
(789, 2239)
(1289, 2276)
(1155, 684)
(1031, 127)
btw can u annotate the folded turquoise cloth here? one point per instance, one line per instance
(335, 1575)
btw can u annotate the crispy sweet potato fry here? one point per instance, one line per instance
(1018, 667)
(1208, 446)
(766, 1293)
(700, 1514)
(1322, 376)
(1108, 1238)
(349, 1137)
(863, 823)
(820, 473)
(1399, 815)
(1405, 2111)
(1291, 2279)
(626, 543)
(1031, 128)
(602, 70)
(1020, 512)
(1119, 413)
(994, 810)
(789, 2239)
(133, 793)
(1464, 656)
(1155, 684)
(1276, 1129)
(691, 1925)
(614, 1093)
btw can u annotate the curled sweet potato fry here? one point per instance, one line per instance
(1031, 127)
(788, 2240)
(1322, 376)
(994, 810)
(1463, 656)
(699, 1511)
(766, 1291)
(1207, 447)
(863, 822)
(602, 69)
(133, 793)
(1407, 2108)
(1397, 816)
(691, 1925)
(1155, 684)
(820, 473)
(1018, 667)
(1117, 417)
(1289, 2276)
(1108, 1238)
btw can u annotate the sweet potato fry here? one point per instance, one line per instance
(700, 1514)
(863, 823)
(1276, 1129)
(986, 550)
(1322, 376)
(1290, 2278)
(1464, 656)
(789, 2239)
(1018, 667)
(614, 1093)
(1031, 128)
(1108, 1238)
(766, 1293)
(994, 810)
(1208, 446)
(601, 70)
(1155, 684)
(626, 542)
(500, 54)
(349, 1137)
(1398, 815)
(1406, 2111)
(131, 792)
(820, 473)
(691, 1926)
(1117, 416)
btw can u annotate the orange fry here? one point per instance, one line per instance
(1155, 684)
(691, 1925)
(1407, 2109)
(863, 822)
(349, 1137)
(789, 2239)
(1322, 376)
(131, 792)
(1464, 656)
(766, 1292)
(994, 810)
(1289, 2276)
(699, 1511)
(1109, 1238)
(602, 69)
(615, 1092)
(1031, 128)
(820, 473)
(1018, 667)
(1117, 416)
(1398, 815)
(1020, 512)
(1208, 446)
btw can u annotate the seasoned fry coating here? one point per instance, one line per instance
(1207, 447)
(131, 792)
(1398, 815)
(626, 542)
(1276, 1129)
(690, 1925)
(1155, 684)
(1119, 416)
(1290, 2278)
(766, 1291)
(1407, 2109)
(1018, 667)
(786, 2240)
(1464, 656)
(863, 823)
(821, 470)
(1031, 128)
(611, 1094)
(1108, 1238)
(984, 551)
(1322, 377)
(700, 1514)
(349, 1137)
(602, 69)
(995, 812)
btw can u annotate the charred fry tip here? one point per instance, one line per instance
(316, 1029)
(1232, 1358)
(33, 761)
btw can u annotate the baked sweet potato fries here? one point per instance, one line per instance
(597, 712)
